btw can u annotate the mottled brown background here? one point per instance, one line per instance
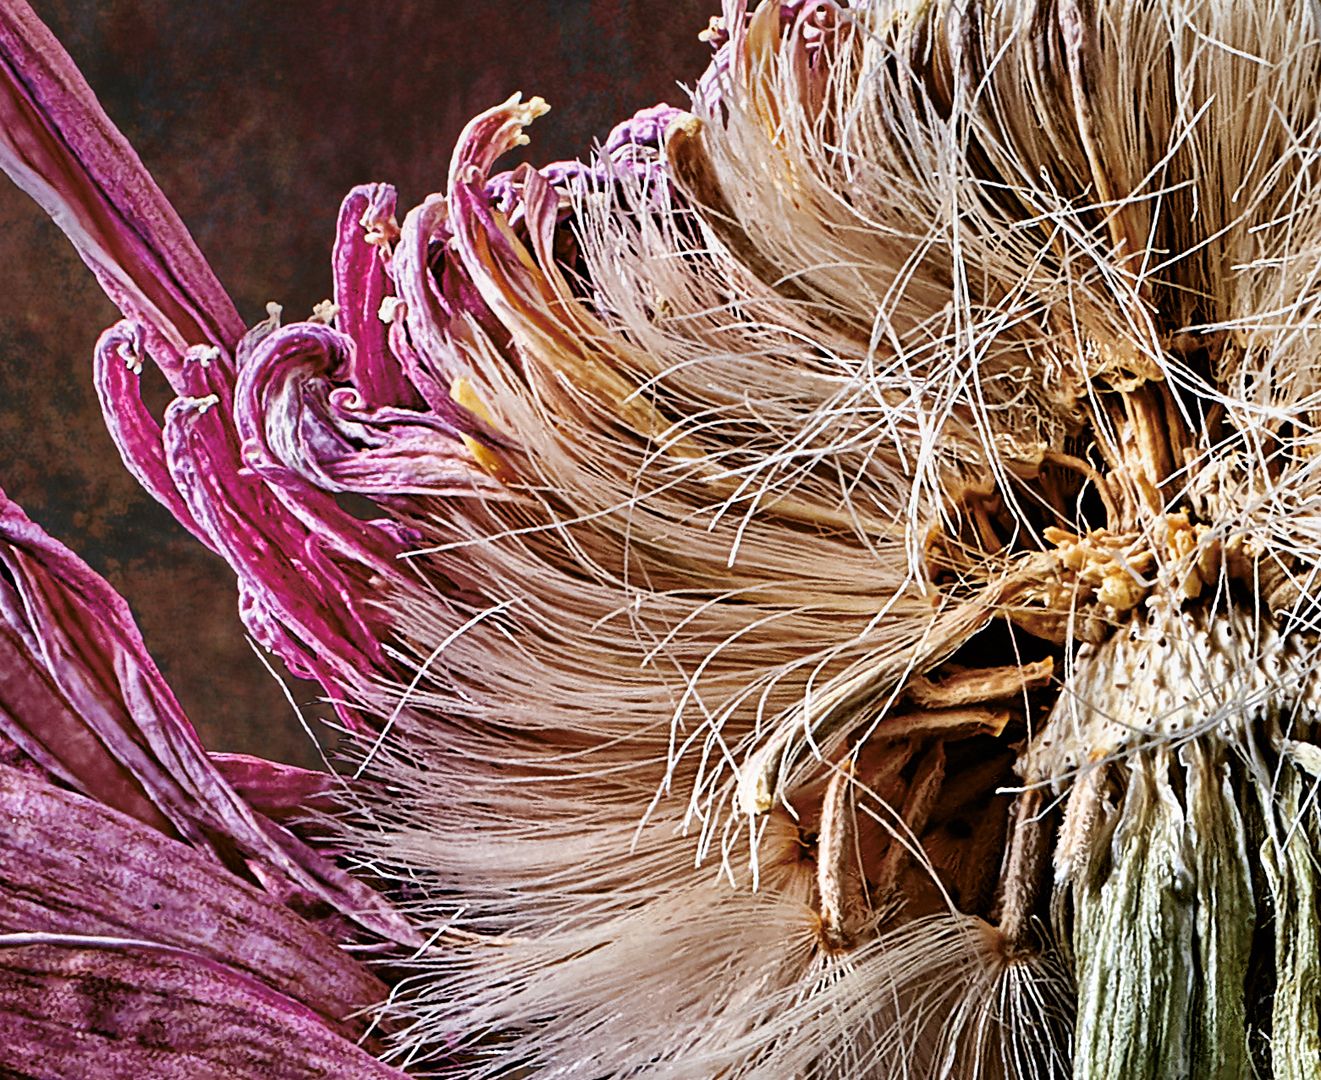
(255, 116)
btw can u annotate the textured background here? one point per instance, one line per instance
(255, 116)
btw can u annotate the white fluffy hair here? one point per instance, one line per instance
(891, 654)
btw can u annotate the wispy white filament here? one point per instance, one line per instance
(844, 397)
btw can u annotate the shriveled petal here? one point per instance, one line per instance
(433, 302)
(645, 128)
(117, 364)
(366, 224)
(38, 719)
(272, 787)
(71, 866)
(633, 148)
(530, 296)
(82, 698)
(307, 428)
(304, 565)
(59, 146)
(71, 650)
(127, 1010)
(309, 609)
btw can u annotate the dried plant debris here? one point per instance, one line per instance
(844, 598)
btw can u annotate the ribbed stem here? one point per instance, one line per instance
(1186, 865)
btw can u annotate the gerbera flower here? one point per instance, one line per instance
(843, 602)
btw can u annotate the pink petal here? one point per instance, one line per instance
(271, 787)
(68, 865)
(307, 430)
(432, 302)
(366, 223)
(38, 719)
(59, 146)
(313, 618)
(83, 698)
(121, 1009)
(116, 366)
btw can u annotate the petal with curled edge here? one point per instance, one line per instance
(57, 143)
(307, 429)
(81, 697)
(315, 622)
(366, 224)
(272, 787)
(116, 365)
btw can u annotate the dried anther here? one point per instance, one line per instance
(839, 880)
(970, 686)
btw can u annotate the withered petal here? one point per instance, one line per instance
(71, 866)
(85, 700)
(60, 147)
(127, 1009)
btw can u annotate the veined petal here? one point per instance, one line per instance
(138, 1010)
(366, 226)
(308, 428)
(436, 302)
(272, 787)
(315, 622)
(69, 865)
(83, 698)
(59, 146)
(39, 721)
(116, 365)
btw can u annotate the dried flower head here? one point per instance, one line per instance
(844, 603)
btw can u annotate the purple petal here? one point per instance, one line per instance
(306, 430)
(432, 301)
(37, 719)
(59, 146)
(315, 620)
(366, 224)
(137, 435)
(70, 866)
(273, 788)
(138, 1010)
(541, 211)
(532, 300)
(645, 128)
(83, 698)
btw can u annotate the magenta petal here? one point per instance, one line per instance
(428, 312)
(315, 622)
(71, 645)
(137, 435)
(102, 712)
(59, 146)
(307, 430)
(120, 1009)
(366, 224)
(70, 866)
(38, 719)
(271, 787)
